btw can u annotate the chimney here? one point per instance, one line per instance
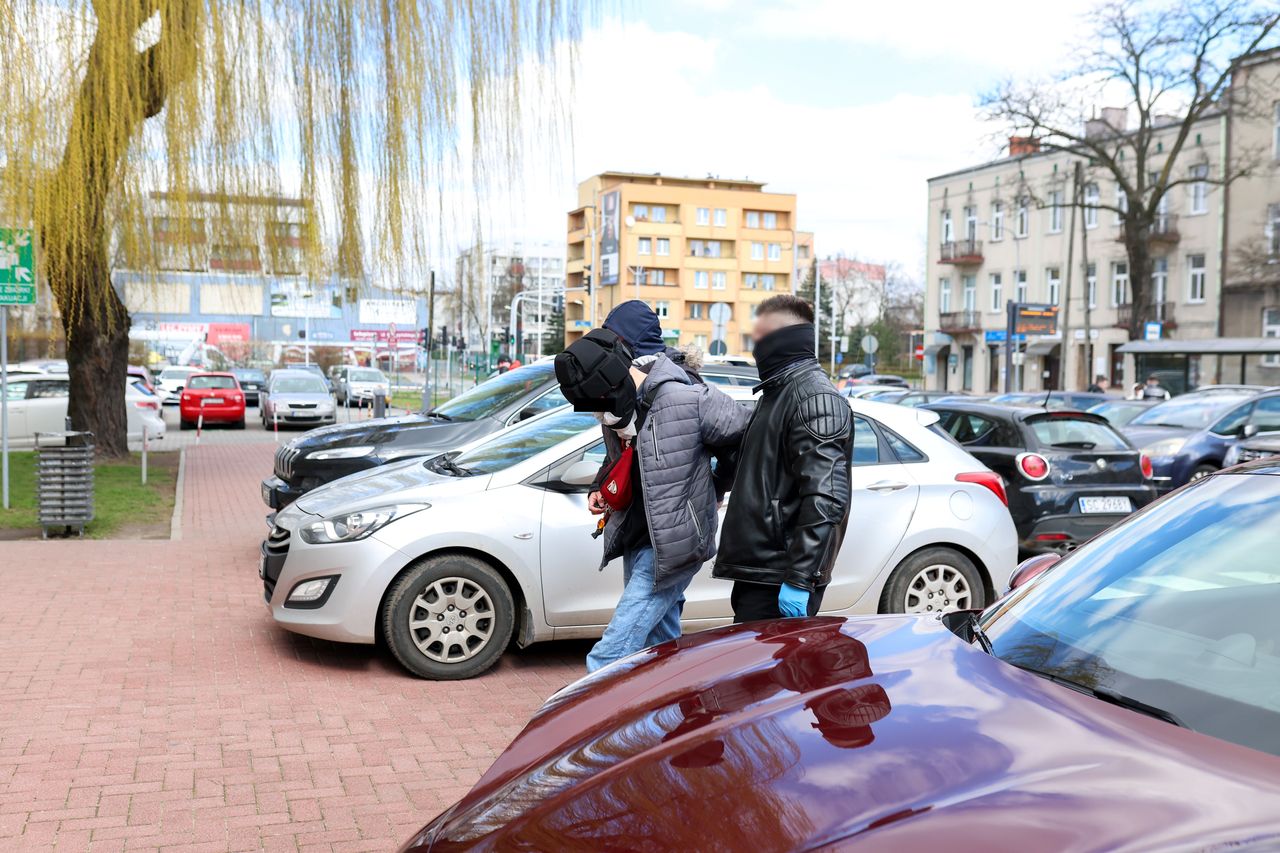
(1117, 118)
(1020, 145)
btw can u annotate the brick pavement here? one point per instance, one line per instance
(150, 703)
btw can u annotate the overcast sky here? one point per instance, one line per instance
(850, 105)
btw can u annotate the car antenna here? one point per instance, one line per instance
(1047, 392)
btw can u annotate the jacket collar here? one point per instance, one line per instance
(787, 373)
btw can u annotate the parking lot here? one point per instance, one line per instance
(150, 702)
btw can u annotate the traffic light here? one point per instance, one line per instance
(444, 335)
(424, 338)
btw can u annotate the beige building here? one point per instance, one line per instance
(682, 245)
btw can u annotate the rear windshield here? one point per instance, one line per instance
(366, 376)
(176, 372)
(1079, 434)
(251, 375)
(212, 382)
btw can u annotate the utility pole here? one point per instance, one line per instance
(1064, 324)
(1088, 301)
(431, 330)
(817, 306)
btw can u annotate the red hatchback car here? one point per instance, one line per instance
(1128, 698)
(215, 395)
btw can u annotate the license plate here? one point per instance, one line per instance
(262, 566)
(266, 494)
(1106, 505)
(214, 401)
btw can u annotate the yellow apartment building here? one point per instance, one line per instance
(683, 245)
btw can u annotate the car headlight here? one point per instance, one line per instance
(342, 452)
(355, 525)
(1165, 447)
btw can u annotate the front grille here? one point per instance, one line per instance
(285, 458)
(278, 541)
(275, 550)
(302, 405)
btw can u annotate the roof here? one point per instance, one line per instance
(655, 177)
(1208, 346)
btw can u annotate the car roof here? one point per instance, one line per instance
(290, 371)
(227, 373)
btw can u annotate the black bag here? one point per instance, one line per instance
(594, 373)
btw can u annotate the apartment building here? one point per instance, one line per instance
(487, 278)
(683, 245)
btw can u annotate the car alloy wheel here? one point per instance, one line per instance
(451, 621)
(937, 588)
(1201, 472)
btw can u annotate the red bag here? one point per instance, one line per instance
(616, 488)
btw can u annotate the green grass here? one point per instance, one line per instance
(120, 498)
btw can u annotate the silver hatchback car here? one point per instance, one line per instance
(296, 398)
(448, 558)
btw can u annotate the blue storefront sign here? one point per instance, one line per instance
(997, 336)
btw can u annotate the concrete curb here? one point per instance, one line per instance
(175, 522)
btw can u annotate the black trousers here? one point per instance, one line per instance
(752, 601)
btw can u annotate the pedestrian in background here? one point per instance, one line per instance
(1100, 385)
(790, 504)
(1151, 390)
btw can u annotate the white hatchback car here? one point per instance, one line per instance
(38, 403)
(448, 558)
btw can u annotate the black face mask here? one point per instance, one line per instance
(783, 347)
(594, 373)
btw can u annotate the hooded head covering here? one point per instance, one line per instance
(635, 322)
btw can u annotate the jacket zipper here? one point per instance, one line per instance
(694, 517)
(653, 431)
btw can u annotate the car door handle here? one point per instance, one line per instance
(887, 486)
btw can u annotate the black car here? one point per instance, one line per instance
(252, 381)
(1052, 400)
(1069, 475)
(322, 455)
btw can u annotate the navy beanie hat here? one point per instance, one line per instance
(635, 322)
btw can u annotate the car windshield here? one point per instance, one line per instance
(175, 373)
(299, 385)
(365, 376)
(491, 395)
(525, 441)
(1189, 411)
(1174, 610)
(227, 382)
(1076, 432)
(1118, 413)
(248, 374)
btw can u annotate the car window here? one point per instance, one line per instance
(1266, 415)
(227, 382)
(365, 376)
(1190, 411)
(714, 379)
(250, 375)
(15, 390)
(494, 394)
(1174, 609)
(553, 399)
(866, 444)
(299, 385)
(175, 373)
(524, 441)
(43, 388)
(1080, 433)
(901, 449)
(1234, 420)
(966, 427)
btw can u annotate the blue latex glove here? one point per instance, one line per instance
(793, 601)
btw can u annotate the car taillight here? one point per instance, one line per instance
(988, 479)
(147, 404)
(1147, 470)
(1033, 466)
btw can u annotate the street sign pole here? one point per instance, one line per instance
(17, 287)
(4, 402)
(1009, 332)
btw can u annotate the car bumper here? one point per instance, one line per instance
(278, 494)
(298, 419)
(1058, 534)
(212, 414)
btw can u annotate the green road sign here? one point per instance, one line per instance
(17, 267)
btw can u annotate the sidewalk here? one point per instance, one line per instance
(150, 703)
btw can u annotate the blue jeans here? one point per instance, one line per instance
(645, 617)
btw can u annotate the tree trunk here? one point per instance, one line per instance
(1138, 251)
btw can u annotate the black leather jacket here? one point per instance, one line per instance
(790, 501)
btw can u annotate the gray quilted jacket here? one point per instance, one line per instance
(686, 421)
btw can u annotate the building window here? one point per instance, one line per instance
(1022, 220)
(696, 309)
(997, 293)
(664, 246)
(644, 246)
(1196, 283)
(1019, 285)
(1200, 188)
(1122, 204)
(662, 309)
(701, 279)
(1272, 230)
(1053, 283)
(770, 220)
(753, 219)
(718, 280)
(1092, 196)
(722, 217)
(640, 212)
(997, 220)
(775, 251)
(948, 232)
(704, 216)
(1119, 284)
(1055, 212)
(767, 281)
(1091, 284)
(659, 213)
(750, 281)
(748, 343)
(969, 292)
(656, 277)
(1159, 285)
(970, 222)
(757, 251)
(1275, 143)
(1271, 329)
(944, 296)
(700, 341)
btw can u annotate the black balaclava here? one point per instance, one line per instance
(782, 348)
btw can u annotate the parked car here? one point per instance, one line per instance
(1114, 702)
(1253, 448)
(297, 398)
(503, 527)
(861, 392)
(45, 365)
(1070, 475)
(1120, 412)
(888, 395)
(915, 399)
(311, 367)
(252, 382)
(850, 372)
(215, 397)
(143, 375)
(359, 385)
(721, 373)
(879, 379)
(1052, 400)
(1188, 437)
(323, 455)
(38, 403)
(170, 382)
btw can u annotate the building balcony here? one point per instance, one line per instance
(1164, 313)
(960, 321)
(1164, 231)
(962, 252)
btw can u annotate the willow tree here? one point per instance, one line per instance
(363, 108)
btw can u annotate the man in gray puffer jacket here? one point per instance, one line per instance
(668, 530)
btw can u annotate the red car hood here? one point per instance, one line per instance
(882, 733)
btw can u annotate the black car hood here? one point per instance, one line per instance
(395, 437)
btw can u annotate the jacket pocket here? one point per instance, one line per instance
(693, 516)
(775, 526)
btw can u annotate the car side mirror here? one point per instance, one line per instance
(1248, 430)
(526, 413)
(1032, 568)
(581, 473)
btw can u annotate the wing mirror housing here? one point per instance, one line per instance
(581, 473)
(1032, 568)
(1248, 430)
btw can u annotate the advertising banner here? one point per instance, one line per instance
(610, 229)
(383, 312)
(300, 299)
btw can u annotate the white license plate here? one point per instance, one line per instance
(213, 401)
(266, 494)
(1106, 505)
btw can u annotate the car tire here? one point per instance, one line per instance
(238, 424)
(183, 423)
(447, 581)
(1200, 472)
(934, 580)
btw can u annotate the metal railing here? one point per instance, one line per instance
(956, 321)
(961, 252)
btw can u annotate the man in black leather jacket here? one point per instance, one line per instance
(790, 501)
